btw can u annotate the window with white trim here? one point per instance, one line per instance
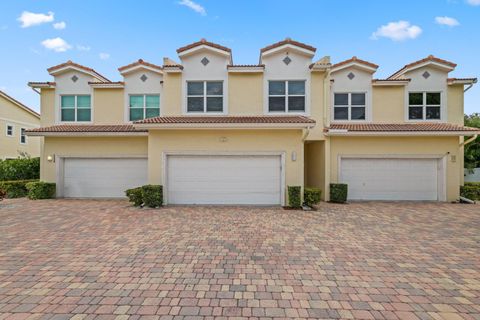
(424, 105)
(9, 130)
(349, 106)
(75, 108)
(143, 106)
(286, 96)
(205, 96)
(23, 136)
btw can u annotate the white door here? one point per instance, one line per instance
(102, 178)
(390, 179)
(199, 179)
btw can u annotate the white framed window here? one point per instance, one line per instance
(424, 105)
(9, 130)
(349, 106)
(75, 108)
(143, 106)
(204, 96)
(286, 96)
(23, 136)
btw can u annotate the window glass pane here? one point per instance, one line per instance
(195, 88)
(358, 113)
(215, 104)
(215, 88)
(296, 87)
(83, 101)
(276, 104)
(152, 112)
(136, 114)
(415, 113)
(358, 99)
(276, 87)
(136, 101)
(433, 113)
(83, 114)
(68, 115)
(415, 98)
(433, 98)
(68, 101)
(195, 104)
(340, 113)
(341, 99)
(152, 101)
(296, 103)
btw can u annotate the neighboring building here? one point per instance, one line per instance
(15, 119)
(212, 132)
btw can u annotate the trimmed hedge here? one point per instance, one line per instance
(295, 196)
(152, 195)
(471, 190)
(338, 192)
(16, 188)
(135, 196)
(41, 190)
(20, 169)
(311, 196)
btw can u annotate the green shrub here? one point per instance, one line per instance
(311, 196)
(338, 192)
(41, 190)
(295, 196)
(16, 188)
(20, 169)
(471, 190)
(135, 196)
(3, 194)
(152, 195)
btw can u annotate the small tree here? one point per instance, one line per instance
(472, 150)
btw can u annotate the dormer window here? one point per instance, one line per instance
(349, 106)
(424, 105)
(76, 108)
(204, 96)
(286, 96)
(144, 106)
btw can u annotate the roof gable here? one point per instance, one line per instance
(202, 45)
(19, 104)
(70, 65)
(140, 64)
(430, 60)
(355, 62)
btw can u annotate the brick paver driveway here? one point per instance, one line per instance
(103, 259)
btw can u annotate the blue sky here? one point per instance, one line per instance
(105, 35)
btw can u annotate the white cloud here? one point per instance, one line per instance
(56, 44)
(194, 6)
(60, 25)
(83, 48)
(29, 19)
(474, 2)
(447, 21)
(104, 56)
(397, 31)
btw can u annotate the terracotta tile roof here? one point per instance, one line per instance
(87, 128)
(138, 63)
(76, 65)
(246, 66)
(46, 83)
(288, 41)
(355, 59)
(21, 105)
(167, 66)
(429, 58)
(462, 79)
(399, 127)
(226, 120)
(106, 83)
(391, 80)
(201, 43)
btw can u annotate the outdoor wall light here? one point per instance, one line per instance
(294, 156)
(50, 158)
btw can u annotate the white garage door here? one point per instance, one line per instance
(390, 179)
(224, 180)
(102, 178)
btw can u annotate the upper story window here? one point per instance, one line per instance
(204, 96)
(349, 106)
(23, 136)
(9, 130)
(424, 105)
(286, 96)
(76, 108)
(144, 106)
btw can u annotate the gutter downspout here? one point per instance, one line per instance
(306, 133)
(35, 90)
(471, 139)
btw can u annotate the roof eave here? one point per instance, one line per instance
(85, 134)
(161, 126)
(340, 133)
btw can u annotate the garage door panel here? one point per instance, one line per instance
(390, 179)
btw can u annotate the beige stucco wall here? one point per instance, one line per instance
(171, 103)
(317, 103)
(88, 147)
(10, 146)
(108, 106)
(455, 104)
(401, 146)
(47, 107)
(245, 93)
(315, 165)
(388, 104)
(248, 141)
